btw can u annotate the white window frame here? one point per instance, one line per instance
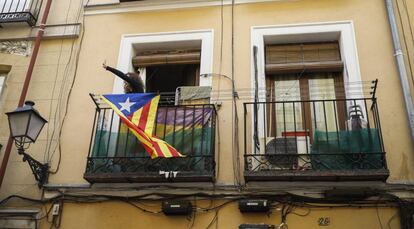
(344, 30)
(127, 51)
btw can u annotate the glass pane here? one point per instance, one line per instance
(36, 125)
(323, 110)
(288, 115)
(18, 123)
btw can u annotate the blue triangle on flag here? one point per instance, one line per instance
(129, 103)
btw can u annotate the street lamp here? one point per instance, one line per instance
(25, 125)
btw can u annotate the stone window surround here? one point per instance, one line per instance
(127, 51)
(342, 31)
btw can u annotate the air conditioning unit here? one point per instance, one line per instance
(282, 152)
(192, 95)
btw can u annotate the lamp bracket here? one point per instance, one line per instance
(39, 170)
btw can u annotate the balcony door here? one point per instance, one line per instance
(302, 103)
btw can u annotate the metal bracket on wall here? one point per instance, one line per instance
(39, 170)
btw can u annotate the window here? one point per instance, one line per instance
(303, 72)
(146, 44)
(167, 70)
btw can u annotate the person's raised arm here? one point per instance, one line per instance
(116, 72)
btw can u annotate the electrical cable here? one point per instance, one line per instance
(286, 199)
(409, 19)
(405, 40)
(70, 89)
(215, 217)
(141, 208)
(378, 216)
(48, 143)
(56, 118)
(391, 219)
(235, 122)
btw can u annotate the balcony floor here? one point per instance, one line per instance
(309, 175)
(147, 177)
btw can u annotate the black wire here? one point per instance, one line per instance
(215, 217)
(378, 216)
(193, 219)
(405, 40)
(390, 220)
(286, 199)
(235, 122)
(141, 208)
(302, 215)
(70, 90)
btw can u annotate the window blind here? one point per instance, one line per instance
(156, 58)
(296, 58)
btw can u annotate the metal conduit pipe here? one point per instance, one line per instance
(401, 66)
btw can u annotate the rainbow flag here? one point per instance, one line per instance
(138, 112)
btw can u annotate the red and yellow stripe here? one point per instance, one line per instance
(144, 118)
(141, 125)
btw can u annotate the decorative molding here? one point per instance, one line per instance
(60, 31)
(57, 31)
(22, 48)
(128, 42)
(138, 6)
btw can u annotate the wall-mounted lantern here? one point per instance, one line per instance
(25, 124)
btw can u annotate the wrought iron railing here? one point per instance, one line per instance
(115, 154)
(314, 139)
(20, 11)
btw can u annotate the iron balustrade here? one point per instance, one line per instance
(332, 139)
(20, 11)
(115, 155)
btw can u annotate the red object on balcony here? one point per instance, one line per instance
(302, 133)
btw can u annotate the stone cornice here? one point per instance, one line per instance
(147, 5)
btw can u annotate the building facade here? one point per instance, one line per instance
(292, 109)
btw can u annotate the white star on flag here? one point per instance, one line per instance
(126, 105)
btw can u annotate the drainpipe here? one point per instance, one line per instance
(26, 84)
(401, 66)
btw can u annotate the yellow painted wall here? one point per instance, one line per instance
(103, 215)
(49, 87)
(404, 11)
(51, 73)
(101, 41)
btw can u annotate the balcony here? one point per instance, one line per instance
(115, 155)
(15, 11)
(324, 140)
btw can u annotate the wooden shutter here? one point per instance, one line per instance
(309, 57)
(167, 57)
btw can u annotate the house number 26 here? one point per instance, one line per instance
(324, 221)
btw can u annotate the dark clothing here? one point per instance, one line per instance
(136, 85)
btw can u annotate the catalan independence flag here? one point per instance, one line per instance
(138, 112)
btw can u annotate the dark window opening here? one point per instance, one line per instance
(165, 79)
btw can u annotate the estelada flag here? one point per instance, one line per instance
(138, 112)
